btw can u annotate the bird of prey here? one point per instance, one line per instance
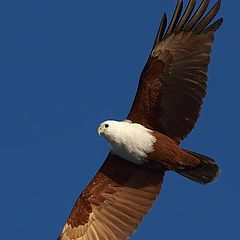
(166, 107)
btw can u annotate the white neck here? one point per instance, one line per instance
(130, 141)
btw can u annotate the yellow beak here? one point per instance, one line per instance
(100, 130)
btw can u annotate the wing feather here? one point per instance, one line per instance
(214, 27)
(114, 203)
(208, 18)
(174, 80)
(197, 16)
(161, 29)
(186, 15)
(175, 17)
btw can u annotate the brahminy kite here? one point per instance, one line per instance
(146, 145)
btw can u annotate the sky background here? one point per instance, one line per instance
(65, 66)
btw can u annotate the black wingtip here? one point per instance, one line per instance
(203, 23)
(197, 16)
(175, 18)
(161, 29)
(186, 15)
(198, 23)
(215, 26)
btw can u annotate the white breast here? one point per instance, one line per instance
(132, 142)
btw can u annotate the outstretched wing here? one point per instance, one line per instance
(114, 203)
(173, 82)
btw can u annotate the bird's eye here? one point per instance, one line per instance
(106, 125)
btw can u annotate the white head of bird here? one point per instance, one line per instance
(130, 141)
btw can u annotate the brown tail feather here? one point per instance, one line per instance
(206, 172)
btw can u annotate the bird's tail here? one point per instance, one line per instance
(206, 172)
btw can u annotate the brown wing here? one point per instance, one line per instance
(114, 203)
(173, 82)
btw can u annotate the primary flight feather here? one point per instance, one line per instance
(165, 109)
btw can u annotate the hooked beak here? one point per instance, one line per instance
(100, 131)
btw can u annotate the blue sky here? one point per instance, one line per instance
(65, 66)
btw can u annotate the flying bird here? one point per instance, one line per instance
(166, 107)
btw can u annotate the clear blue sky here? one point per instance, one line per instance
(65, 66)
